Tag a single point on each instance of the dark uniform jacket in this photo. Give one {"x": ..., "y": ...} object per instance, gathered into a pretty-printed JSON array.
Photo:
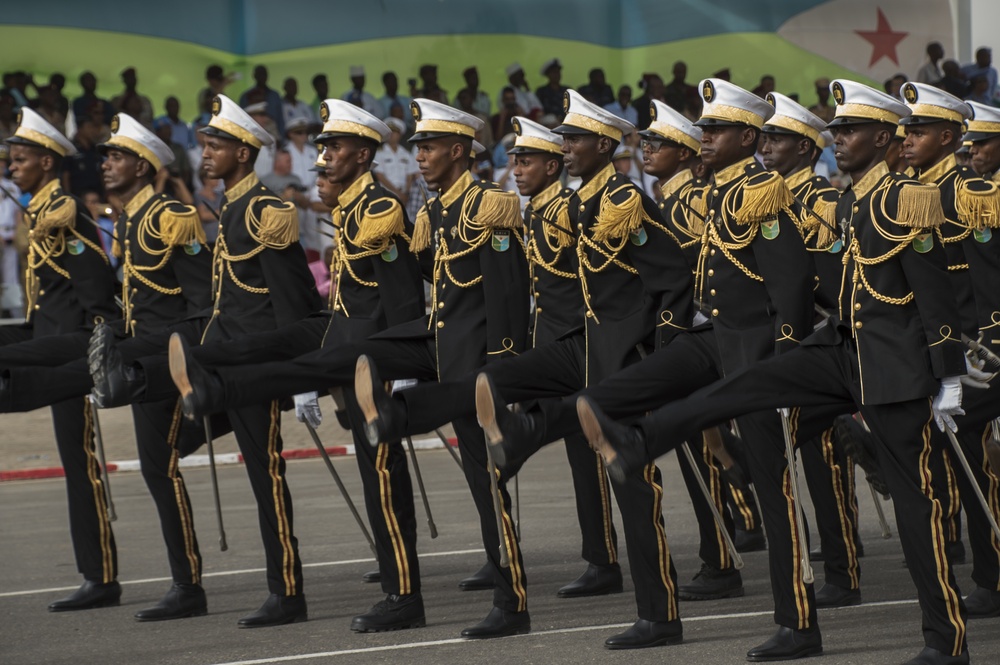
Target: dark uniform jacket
[
  {"x": 479, "y": 307},
  {"x": 553, "y": 265},
  {"x": 897, "y": 304},
  {"x": 817, "y": 218},
  {"x": 980, "y": 212},
  {"x": 261, "y": 278},
  {"x": 683, "y": 208},
  {"x": 377, "y": 281},
  {"x": 637, "y": 285},
  {"x": 166, "y": 267},
  {"x": 70, "y": 284},
  {"x": 756, "y": 278}
]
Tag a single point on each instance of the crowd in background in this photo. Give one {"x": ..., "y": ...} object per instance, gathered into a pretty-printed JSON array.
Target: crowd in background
[{"x": 285, "y": 168}]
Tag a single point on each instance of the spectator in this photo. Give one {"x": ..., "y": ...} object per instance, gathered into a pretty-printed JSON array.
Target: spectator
[
  {"x": 208, "y": 201},
  {"x": 597, "y": 91},
  {"x": 295, "y": 108},
  {"x": 397, "y": 168},
  {"x": 8, "y": 116},
  {"x": 217, "y": 83},
  {"x": 983, "y": 66},
  {"x": 302, "y": 152},
  {"x": 47, "y": 105},
  {"x": 464, "y": 101},
  {"x": 431, "y": 90},
  {"x": 180, "y": 132},
  {"x": 893, "y": 85},
  {"x": 480, "y": 100},
  {"x": 57, "y": 82},
  {"x": 261, "y": 93},
  {"x": 766, "y": 85},
  {"x": 357, "y": 95},
  {"x": 551, "y": 94},
  {"x": 931, "y": 73},
  {"x": 11, "y": 297},
  {"x": 82, "y": 104},
  {"x": 288, "y": 186},
  {"x": 653, "y": 88},
  {"x": 175, "y": 177},
  {"x": 953, "y": 81},
  {"x": 622, "y": 107},
  {"x": 822, "y": 108},
  {"x": 82, "y": 171},
  {"x": 392, "y": 98},
  {"x": 680, "y": 95},
  {"x": 723, "y": 75},
  {"x": 531, "y": 107},
  {"x": 979, "y": 90},
  {"x": 194, "y": 154},
  {"x": 145, "y": 107},
  {"x": 101, "y": 212},
  {"x": 501, "y": 123},
  {"x": 17, "y": 84},
  {"x": 322, "y": 88},
  {"x": 265, "y": 158}
]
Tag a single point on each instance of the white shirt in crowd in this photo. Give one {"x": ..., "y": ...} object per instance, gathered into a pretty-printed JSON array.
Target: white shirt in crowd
[
  {"x": 628, "y": 113},
  {"x": 297, "y": 110},
  {"x": 397, "y": 165}
]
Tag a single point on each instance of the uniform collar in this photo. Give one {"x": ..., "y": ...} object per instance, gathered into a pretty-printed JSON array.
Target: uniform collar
[
  {"x": 934, "y": 173},
  {"x": 799, "y": 178},
  {"x": 355, "y": 189},
  {"x": 596, "y": 183},
  {"x": 871, "y": 179},
  {"x": 676, "y": 182},
  {"x": 139, "y": 200},
  {"x": 43, "y": 195},
  {"x": 456, "y": 190},
  {"x": 242, "y": 187},
  {"x": 546, "y": 196},
  {"x": 732, "y": 171}
]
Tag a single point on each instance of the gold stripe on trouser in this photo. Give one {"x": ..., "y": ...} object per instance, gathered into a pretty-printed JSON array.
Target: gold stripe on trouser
[
  {"x": 715, "y": 491},
  {"x": 510, "y": 543},
  {"x": 954, "y": 501},
  {"x": 846, "y": 533},
  {"x": 278, "y": 495},
  {"x": 992, "y": 495},
  {"x": 798, "y": 586},
  {"x": 649, "y": 473},
  {"x": 97, "y": 487},
  {"x": 852, "y": 501},
  {"x": 938, "y": 543},
  {"x": 740, "y": 499},
  {"x": 180, "y": 496},
  {"x": 602, "y": 482},
  {"x": 391, "y": 523}
]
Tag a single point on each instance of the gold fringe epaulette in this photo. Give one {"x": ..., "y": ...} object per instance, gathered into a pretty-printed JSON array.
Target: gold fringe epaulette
[
  {"x": 978, "y": 204},
  {"x": 382, "y": 219},
  {"x": 279, "y": 223},
  {"x": 116, "y": 249},
  {"x": 621, "y": 213},
  {"x": 180, "y": 225},
  {"x": 499, "y": 210},
  {"x": 826, "y": 234},
  {"x": 59, "y": 214},
  {"x": 698, "y": 204},
  {"x": 421, "y": 231},
  {"x": 919, "y": 206},
  {"x": 560, "y": 215},
  {"x": 764, "y": 196}
]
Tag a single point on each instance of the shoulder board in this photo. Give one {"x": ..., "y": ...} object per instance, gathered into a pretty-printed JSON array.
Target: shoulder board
[
  {"x": 382, "y": 219},
  {"x": 180, "y": 225},
  {"x": 620, "y": 213},
  {"x": 60, "y": 213},
  {"x": 765, "y": 194},
  {"x": 978, "y": 203},
  {"x": 919, "y": 206},
  {"x": 498, "y": 209},
  {"x": 277, "y": 222}
]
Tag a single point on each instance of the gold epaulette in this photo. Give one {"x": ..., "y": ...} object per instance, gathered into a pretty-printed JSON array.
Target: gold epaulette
[
  {"x": 827, "y": 210},
  {"x": 499, "y": 209},
  {"x": 764, "y": 196},
  {"x": 919, "y": 206},
  {"x": 558, "y": 212},
  {"x": 180, "y": 225},
  {"x": 59, "y": 214},
  {"x": 620, "y": 213},
  {"x": 421, "y": 239},
  {"x": 278, "y": 226},
  {"x": 978, "y": 203},
  {"x": 697, "y": 201},
  {"x": 382, "y": 219}
]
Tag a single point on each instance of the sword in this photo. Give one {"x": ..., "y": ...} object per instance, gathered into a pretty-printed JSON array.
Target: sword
[
  {"x": 223, "y": 545},
  {"x": 886, "y": 533},
  {"x": 960, "y": 454},
  {"x": 807, "y": 571},
  {"x": 993, "y": 447},
  {"x": 730, "y": 545},
  {"x": 99, "y": 447},
  {"x": 423, "y": 492}
]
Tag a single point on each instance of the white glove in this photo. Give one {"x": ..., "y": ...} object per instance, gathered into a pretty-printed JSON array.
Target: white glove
[
  {"x": 948, "y": 403},
  {"x": 402, "y": 384},
  {"x": 975, "y": 377},
  {"x": 307, "y": 409}
]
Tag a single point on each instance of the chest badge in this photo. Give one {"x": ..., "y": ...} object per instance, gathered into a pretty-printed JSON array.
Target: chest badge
[
  {"x": 192, "y": 248},
  {"x": 837, "y": 245},
  {"x": 638, "y": 237},
  {"x": 770, "y": 230},
  {"x": 391, "y": 253},
  {"x": 501, "y": 240},
  {"x": 923, "y": 243},
  {"x": 75, "y": 246},
  {"x": 982, "y": 235}
]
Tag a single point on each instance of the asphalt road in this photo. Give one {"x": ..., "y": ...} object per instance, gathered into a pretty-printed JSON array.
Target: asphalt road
[{"x": 38, "y": 568}]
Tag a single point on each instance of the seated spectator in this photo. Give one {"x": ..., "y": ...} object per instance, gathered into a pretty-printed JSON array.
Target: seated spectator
[
  {"x": 893, "y": 85},
  {"x": 531, "y": 107},
  {"x": 217, "y": 83},
  {"x": 175, "y": 178},
  {"x": 464, "y": 102},
  {"x": 397, "y": 168},
  {"x": 597, "y": 91},
  {"x": 681, "y": 95},
  {"x": 144, "y": 106},
  {"x": 822, "y": 108},
  {"x": 294, "y": 108},
  {"x": 358, "y": 96},
  {"x": 622, "y": 107},
  {"x": 501, "y": 122},
  {"x": 82, "y": 171},
  {"x": 8, "y": 116},
  {"x": 430, "y": 89},
  {"x": 265, "y": 158},
  {"x": 180, "y": 132},
  {"x": 983, "y": 66},
  {"x": 392, "y": 98},
  {"x": 322, "y": 88},
  {"x": 551, "y": 94},
  {"x": 953, "y": 81},
  {"x": 653, "y": 88},
  {"x": 288, "y": 186},
  {"x": 766, "y": 85},
  {"x": 979, "y": 90},
  {"x": 931, "y": 72},
  {"x": 480, "y": 100},
  {"x": 47, "y": 105},
  {"x": 270, "y": 97},
  {"x": 83, "y": 103}
]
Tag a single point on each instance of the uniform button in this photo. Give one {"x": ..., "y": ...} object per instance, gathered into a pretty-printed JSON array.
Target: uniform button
[
  {"x": 711, "y": 272},
  {"x": 582, "y": 207},
  {"x": 127, "y": 242},
  {"x": 531, "y": 232},
  {"x": 440, "y": 324},
  {"x": 38, "y": 306},
  {"x": 590, "y": 315},
  {"x": 715, "y": 192},
  {"x": 336, "y": 308},
  {"x": 715, "y": 312},
  {"x": 579, "y": 226},
  {"x": 854, "y": 208},
  {"x": 711, "y": 252},
  {"x": 441, "y": 230},
  {"x": 858, "y": 287},
  {"x": 534, "y": 279},
  {"x": 444, "y": 213},
  {"x": 216, "y": 311},
  {"x": 538, "y": 309},
  {"x": 662, "y": 205},
  {"x": 851, "y": 229},
  {"x": 440, "y": 305},
  {"x": 857, "y": 324},
  {"x": 41, "y": 292},
  {"x": 857, "y": 306},
  {"x": 132, "y": 322},
  {"x": 537, "y": 294},
  {"x": 712, "y": 292}
]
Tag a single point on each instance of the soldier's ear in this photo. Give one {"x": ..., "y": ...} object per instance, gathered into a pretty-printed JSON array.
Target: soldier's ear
[
  {"x": 603, "y": 144},
  {"x": 806, "y": 147},
  {"x": 553, "y": 167},
  {"x": 883, "y": 135},
  {"x": 457, "y": 151},
  {"x": 47, "y": 162},
  {"x": 143, "y": 168},
  {"x": 243, "y": 154}
]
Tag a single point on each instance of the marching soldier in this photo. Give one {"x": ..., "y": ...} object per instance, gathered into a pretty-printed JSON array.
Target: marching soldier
[
  {"x": 893, "y": 346},
  {"x": 70, "y": 287}
]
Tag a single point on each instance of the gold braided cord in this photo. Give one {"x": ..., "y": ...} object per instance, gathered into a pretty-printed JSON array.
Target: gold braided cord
[
  {"x": 225, "y": 260},
  {"x": 535, "y": 258},
  {"x": 343, "y": 258}
]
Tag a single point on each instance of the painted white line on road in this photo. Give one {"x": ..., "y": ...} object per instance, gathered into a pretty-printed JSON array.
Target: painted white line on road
[
  {"x": 540, "y": 633},
  {"x": 245, "y": 571}
]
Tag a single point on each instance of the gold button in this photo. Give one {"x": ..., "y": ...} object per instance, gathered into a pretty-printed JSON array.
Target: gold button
[
  {"x": 857, "y": 324},
  {"x": 538, "y": 309},
  {"x": 579, "y": 226},
  {"x": 38, "y": 306},
  {"x": 851, "y": 229},
  {"x": 858, "y": 287},
  {"x": 127, "y": 242},
  {"x": 582, "y": 207},
  {"x": 441, "y": 230},
  {"x": 440, "y": 305},
  {"x": 855, "y": 208},
  {"x": 440, "y": 324},
  {"x": 531, "y": 232},
  {"x": 711, "y": 252},
  {"x": 711, "y": 272},
  {"x": 537, "y": 294},
  {"x": 715, "y": 192},
  {"x": 715, "y": 312},
  {"x": 857, "y": 306},
  {"x": 590, "y": 314},
  {"x": 216, "y": 311},
  {"x": 132, "y": 322},
  {"x": 336, "y": 308},
  {"x": 41, "y": 292},
  {"x": 444, "y": 213},
  {"x": 534, "y": 279},
  {"x": 712, "y": 292}
]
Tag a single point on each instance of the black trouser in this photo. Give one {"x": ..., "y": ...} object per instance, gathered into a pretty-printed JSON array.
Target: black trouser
[
  {"x": 90, "y": 529},
  {"x": 396, "y": 359},
  {"x": 593, "y": 505},
  {"x": 912, "y": 464}
]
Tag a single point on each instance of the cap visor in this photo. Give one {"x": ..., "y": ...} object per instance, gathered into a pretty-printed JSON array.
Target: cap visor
[
  {"x": 847, "y": 120},
  {"x": 718, "y": 122},
  {"x": 922, "y": 120},
  {"x": 215, "y": 131},
  {"x": 771, "y": 129},
  {"x": 571, "y": 129},
  {"x": 427, "y": 136},
  {"x": 972, "y": 137}
]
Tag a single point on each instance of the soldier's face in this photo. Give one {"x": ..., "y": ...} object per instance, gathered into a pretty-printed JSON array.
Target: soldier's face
[
  {"x": 435, "y": 158},
  {"x": 328, "y": 191},
  {"x": 533, "y": 172},
  {"x": 582, "y": 154},
  {"x": 855, "y": 145},
  {"x": 119, "y": 170},
  {"x": 780, "y": 152},
  {"x": 985, "y": 156},
  {"x": 344, "y": 159},
  {"x": 661, "y": 158},
  {"x": 722, "y": 145},
  {"x": 219, "y": 157},
  {"x": 26, "y": 167},
  {"x": 926, "y": 145}
]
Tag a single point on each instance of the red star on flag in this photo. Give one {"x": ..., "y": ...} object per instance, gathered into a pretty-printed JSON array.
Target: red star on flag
[{"x": 883, "y": 40}]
